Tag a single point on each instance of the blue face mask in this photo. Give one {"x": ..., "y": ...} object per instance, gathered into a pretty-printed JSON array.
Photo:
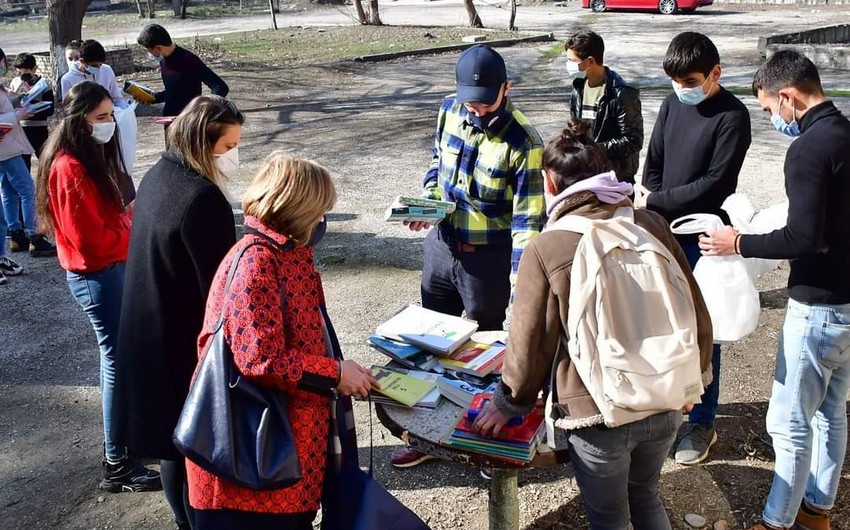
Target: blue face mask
[
  {"x": 156, "y": 58},
  {"x": 690, "y": 96},
  {"x": 93, "y": 70},
  {"x": 788, "y": 129}
]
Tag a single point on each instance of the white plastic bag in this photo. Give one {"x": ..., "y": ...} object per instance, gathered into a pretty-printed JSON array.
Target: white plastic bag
[
  {"x": 128, "y": 130},
  {"x": 725, "y": 283},
  {"x": 747, "y": 221}
]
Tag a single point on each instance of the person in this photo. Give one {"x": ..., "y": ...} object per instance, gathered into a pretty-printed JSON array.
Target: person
[
  {"x": 72, "y": 53},
  {"x": 600, "y": 96},
  {"x": 16, "y": 184},
  {"x": 274, "y": 323},
  {"x": 486, "y": 159},
  {"x": 90, "y": 65},
  {"x": 182, "y": 71},
  {"x": 807, "y": 415},
  {"x": 182, "y": 227},
  {"x": 617, "y": 469},
  {"x": 83, "y": 198},
  {"x": 695, "y": 154},
  {"x": 35, "y": 128}
]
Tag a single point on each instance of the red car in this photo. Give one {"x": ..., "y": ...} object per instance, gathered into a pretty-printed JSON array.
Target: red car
[{"x": 667, "y": 7}]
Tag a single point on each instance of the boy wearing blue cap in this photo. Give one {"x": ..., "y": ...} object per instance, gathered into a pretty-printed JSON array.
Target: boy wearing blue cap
[{"x": 487, "y": 159}]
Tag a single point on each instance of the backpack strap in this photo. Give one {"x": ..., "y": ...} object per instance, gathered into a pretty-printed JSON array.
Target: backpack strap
[{"x": 582, "y": 225}]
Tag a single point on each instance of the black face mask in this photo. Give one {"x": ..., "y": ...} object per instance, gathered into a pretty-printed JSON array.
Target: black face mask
[
  {"x": 28, "y": 79},
  {"x": 484, "y": 122},
  {"x": 319, "y": 232}
]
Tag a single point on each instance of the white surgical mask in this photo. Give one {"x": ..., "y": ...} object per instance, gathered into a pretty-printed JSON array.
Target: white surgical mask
[
  {"x": 574, "y": 71},
  {"x": 691, "y": 96},
  {"x": 157, "y": 58},
  {"x": 102, "y": 132},
  {"x": 228, "y": 163},
  {"x": 93, "y": 70},
  {"x": 71, "y": 64}
]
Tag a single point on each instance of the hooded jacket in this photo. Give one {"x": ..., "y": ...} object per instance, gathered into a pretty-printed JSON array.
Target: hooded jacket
[
  {"x": 541, "y": 308},
  {"x": 618, "y": 128},
  {"x": 15, "y": 142}
]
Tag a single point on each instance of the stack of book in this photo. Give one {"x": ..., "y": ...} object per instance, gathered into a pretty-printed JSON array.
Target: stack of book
[
  {"x": 461, "y": 391},
  {"x": 418, "y": 209},
  {"x": 429, "y": 401},
  {"x": 516, "y": 444},
  {"x": 404, "y": 388}
]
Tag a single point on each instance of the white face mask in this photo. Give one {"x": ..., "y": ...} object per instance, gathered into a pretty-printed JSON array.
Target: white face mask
[
  {"x": 102, "y": 132},
  {"x": 228, "y": 163},
  {"x": 573, "y": 70}
]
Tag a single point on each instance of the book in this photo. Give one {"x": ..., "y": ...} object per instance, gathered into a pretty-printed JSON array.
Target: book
[
  {"x": 140, "y": 92},
  {"x": 475, "y": 358},
  {"x": 406, "y": 354},
  {"x": 404, "y": 200},
  {"x": 403, "y": 388},
  {"x": 35, "y": 108},
  {"x": 436, "y": 332},
  {"x": 398, "y": 214},
  {"x": 462, "y": 392},
  {"x": 432, "y": 399},
  {"x": 34, "y": 92},
  {"x": 5, "y": 128}
]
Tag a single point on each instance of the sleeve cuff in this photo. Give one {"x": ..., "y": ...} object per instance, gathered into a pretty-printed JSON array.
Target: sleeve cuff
[{"x": 503, "y": 401}]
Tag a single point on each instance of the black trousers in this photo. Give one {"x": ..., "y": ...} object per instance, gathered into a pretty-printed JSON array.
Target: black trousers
[
  {"x": 176, "y": 489},
  {"x": 37, "y": 135},
  {"x": 238, "y": 520}
]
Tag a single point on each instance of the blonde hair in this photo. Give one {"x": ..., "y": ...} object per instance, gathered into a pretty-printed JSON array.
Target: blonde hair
[
  {"x": 196, "y": 130},
  {"x": 290, "y": 195}
]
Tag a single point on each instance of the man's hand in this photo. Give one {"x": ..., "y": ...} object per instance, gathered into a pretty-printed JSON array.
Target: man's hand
[
  {"x": 490, "y": 421},
  {"x": 23, "y": 113},
  {"x": 719, "y": 242},
  {"x": 416, "y": 226},
  {"x": 640, "y": 200}
]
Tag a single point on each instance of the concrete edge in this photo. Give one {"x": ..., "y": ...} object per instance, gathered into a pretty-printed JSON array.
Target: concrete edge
[{"x": 543, "y": 37}]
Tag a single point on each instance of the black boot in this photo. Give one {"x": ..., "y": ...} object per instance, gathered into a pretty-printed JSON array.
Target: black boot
[
  {"x": 20, "y": 241},
  {"x": 125, "y": 475}
]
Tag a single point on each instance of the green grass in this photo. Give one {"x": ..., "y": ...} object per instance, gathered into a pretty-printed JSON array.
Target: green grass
[
  {"x": 317, "y": 45},
  {"x": 556, "y": 50}
]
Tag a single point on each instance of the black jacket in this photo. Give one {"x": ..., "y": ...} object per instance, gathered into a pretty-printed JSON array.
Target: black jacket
[
  {"x": 182, "y": 228},
  {"x": 618, "y": 128},
  {"x": 817, "y": 182}
]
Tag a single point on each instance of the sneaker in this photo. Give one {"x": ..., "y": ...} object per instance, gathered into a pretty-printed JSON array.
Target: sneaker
[
  {"x": 695, "y": 443},
  {"x": 487, "y": 473},
  {"x": 40, "y": 247},
  {"x": 809, "y": 520},
  {"x": 3, "y": 279},
  {"x": 407, "y": 457},
  {"x": 20, "y": 241},
  {"x": 9, "y": 267},
  {"x": 127, "y": 476}
]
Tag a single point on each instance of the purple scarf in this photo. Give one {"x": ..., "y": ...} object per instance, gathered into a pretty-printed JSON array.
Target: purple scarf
[{"x": 605, "y": 185}]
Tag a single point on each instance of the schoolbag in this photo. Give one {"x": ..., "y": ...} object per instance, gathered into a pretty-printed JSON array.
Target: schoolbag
[{"x": 631, "y": 328}]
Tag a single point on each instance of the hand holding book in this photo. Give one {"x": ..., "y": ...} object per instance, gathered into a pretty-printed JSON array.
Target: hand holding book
[
  {"x": 490, "y": 421},
  {"x": 354, "y": 380}
]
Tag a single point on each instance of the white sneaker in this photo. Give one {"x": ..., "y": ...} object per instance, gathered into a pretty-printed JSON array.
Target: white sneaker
[
  {"x": 9, "y": 267},
  {"x": 3, "y": 279}
]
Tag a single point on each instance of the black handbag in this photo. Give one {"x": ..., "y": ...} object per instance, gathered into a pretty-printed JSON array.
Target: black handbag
[{"x": 233, "y": 428}]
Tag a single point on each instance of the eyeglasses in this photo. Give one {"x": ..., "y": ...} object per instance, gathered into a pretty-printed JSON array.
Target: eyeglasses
[{"x": 229, "y": 106}]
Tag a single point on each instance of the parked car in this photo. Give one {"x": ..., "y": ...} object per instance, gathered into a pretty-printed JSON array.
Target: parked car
[{"x": 666, "y": 7}]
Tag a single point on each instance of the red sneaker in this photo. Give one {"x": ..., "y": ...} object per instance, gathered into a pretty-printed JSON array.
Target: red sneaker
[{"x": 407, "y": 457}]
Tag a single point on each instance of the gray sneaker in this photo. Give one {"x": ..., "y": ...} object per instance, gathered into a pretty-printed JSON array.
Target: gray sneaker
[{"x": 694, "y": 445}]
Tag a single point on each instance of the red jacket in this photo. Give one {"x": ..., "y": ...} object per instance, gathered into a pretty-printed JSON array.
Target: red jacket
[
  {"x": 284, "y": 349},
  {"x": 91, "y": 233}
]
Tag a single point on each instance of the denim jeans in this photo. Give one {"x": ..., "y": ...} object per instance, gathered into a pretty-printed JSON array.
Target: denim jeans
[
  {"x": 18, "y": 189},
  {"x": 618, "y": 469},
  {"x": 477, "y": 282},
  {"x": 99, "y": 294},
  {"x": 704, "y": 413},
  {"x": 807, "y": 416},
  {"x": 3, "y": 227}
]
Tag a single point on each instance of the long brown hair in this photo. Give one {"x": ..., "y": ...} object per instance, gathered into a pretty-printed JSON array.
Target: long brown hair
[
  {"x": 197, "y": 129},
  {"x": 102, "y": 162}
]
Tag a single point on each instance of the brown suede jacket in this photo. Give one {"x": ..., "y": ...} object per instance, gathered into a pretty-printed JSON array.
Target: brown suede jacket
[{"x": 539, "y": 317}]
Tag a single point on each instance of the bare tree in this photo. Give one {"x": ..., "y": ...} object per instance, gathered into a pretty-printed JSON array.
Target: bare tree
[
  {"x": 374, "y": 17},
  {"x": 273, "y": 14},
  {"x": 361, "y": 13},
  {"x": 472, "y": 13},
  {"x": 179, "y": 8},
  {"x": 64, "y": 24},
  {"x": 371, "y": 17},
  {"x": 511, "y": 22}
]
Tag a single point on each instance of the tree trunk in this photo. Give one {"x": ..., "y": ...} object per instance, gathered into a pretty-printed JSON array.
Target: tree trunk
[
  {"x": 511, "y": 22},
  {"x": 151, "y": 7},
  {"x": 472, "y": 13},
  {"x": 274, "y": 16},
  {"x": 361, "y": 13},
  {"x": 139, "y": 7},
  {"x": 64, "y": 24},
  {"x": 374, "y": 16},
  {"x": 183, "y": 9}
]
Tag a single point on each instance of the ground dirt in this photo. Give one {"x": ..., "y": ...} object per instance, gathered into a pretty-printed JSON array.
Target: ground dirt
[{"x": 372, "y": 125}]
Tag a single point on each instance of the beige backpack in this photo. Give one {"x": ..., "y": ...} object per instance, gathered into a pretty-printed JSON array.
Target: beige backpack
[{"x": 632, "y": 329}]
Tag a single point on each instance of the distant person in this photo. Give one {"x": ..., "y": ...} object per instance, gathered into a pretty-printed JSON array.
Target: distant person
[
  {"x": 487, "y": 159},
  {"x": 182, "y": 227},
  {"x": 695, "y": 154},
  {"x": 91, "y": 66},
  {"x": 617, "y": 469},
  {"x": 16, "y": 184},
  {"x": 274, "y": 320},
  {"x": 183, "y": 72},
  {"x": 84, "y": 198},
  {"x": 807, "y": 416},
  {"x": 35, "y": 127},
  {"x": 602, "y": 98}
]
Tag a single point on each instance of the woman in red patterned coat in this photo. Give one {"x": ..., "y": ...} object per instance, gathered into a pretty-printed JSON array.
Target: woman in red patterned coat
[{"x": 274, "y": 325}]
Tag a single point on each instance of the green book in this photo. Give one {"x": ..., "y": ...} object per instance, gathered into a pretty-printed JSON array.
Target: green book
[{"x": 403, "y": 388}]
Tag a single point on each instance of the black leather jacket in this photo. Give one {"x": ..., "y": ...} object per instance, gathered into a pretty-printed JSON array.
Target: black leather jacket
[{"x": 619, "y": 123}]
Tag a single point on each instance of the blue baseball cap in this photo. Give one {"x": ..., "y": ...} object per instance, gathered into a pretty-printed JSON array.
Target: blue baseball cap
[{"x": 480, "y": 73}]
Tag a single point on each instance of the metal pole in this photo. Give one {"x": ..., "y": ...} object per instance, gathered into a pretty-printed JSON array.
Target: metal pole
[{"x": 504, "y": 503}]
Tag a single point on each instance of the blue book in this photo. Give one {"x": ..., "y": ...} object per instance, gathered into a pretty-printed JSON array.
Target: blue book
[{"x": 406, "y": 354}]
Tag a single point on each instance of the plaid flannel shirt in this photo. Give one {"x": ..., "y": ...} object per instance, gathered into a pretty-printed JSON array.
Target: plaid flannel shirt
[{"x": 495, "y": 178}]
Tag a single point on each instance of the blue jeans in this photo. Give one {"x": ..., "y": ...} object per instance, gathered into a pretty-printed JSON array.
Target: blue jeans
[
  {"x": 618, "y": 469},
  {"x": 807, "y": 416},
  {"x": 99, "y": 294},
  {"x": 477, "y": 282},
  {"x": 18, "y": 189},
  {"x": 703, "y": 413},
  {"x": 3, "y": 228}
]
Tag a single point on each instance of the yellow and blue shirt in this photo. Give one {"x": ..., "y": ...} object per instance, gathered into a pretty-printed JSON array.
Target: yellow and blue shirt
[{"x": 494, "y": 177}]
